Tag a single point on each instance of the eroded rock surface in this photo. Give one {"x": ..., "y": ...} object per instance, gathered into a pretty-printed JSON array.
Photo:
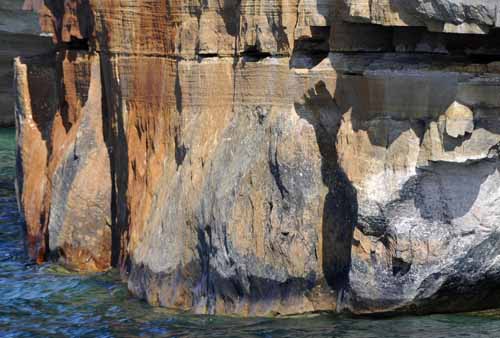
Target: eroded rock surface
[
  {"x": 256, "y": 158},
  {"x": 64, "y": 179},
  {"x": 449, "y": 16}
]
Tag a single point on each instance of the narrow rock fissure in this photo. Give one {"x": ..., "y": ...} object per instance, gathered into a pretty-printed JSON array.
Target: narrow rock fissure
[{"x": 275, "y": 171}]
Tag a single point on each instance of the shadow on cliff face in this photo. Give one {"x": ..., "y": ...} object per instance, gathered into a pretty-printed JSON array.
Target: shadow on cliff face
[
  {"x": 445, "y": 191},
  {"x": 385, "y": 103},
  {"x": 42, "y": 81},
  {"x": 116, "y": 141},
  {"x": 340, "y": 212},
  {"x": 69, "y": 115},
  {"x": 385, "y": 106},
  {"x": 44, "y": 101},
  {"x": 84, "y": 19},
  {"x": 340, "y": 207},
  {"x": 231, "y": 13},
  {"x": 477, "y": 283},
  {"x": 70, "y": 50}
]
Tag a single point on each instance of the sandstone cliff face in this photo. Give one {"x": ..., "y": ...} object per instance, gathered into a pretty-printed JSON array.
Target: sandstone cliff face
[
  {"x": 247, "y": 157},
  {"x": 64, "y": 180}
]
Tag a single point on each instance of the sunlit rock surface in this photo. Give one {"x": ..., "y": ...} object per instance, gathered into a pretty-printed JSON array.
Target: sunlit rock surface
[
  {"x": 260, "y": 158},
  {"x": 449, "y": 16},
  {"x": 64, "y": 180}
]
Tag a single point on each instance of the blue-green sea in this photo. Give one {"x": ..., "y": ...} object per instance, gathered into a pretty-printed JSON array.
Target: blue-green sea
[{"x": 48, "y": 301}]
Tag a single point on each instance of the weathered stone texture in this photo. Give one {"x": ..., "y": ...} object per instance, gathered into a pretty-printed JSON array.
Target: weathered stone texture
[
  {"x": 449, "y": 16},
  {"x": 256, "y": 170},
  {"x": 64, "y": 179},
  {"x": 425, "y": 170}
]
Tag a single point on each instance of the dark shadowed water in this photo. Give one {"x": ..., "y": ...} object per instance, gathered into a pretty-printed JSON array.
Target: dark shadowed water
[{"x": 48, "y": 301}]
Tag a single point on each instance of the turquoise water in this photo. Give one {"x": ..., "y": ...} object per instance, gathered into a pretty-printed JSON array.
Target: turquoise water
[{"x": 47, "y": 301}]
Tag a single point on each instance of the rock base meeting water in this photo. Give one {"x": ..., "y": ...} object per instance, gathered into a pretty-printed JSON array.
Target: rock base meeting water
[{"x": 268, "y": 158}]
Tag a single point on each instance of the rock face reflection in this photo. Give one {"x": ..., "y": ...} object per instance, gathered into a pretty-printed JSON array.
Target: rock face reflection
[{"x": 253, "y": 158}]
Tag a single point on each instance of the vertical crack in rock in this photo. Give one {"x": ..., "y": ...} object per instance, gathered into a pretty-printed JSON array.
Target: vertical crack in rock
[
  {"x": 117, "y": 146},
  {"x": 275, "y": 171},
  {"x": 114, "y": 134},
  {"x": 205, "y": 252}
]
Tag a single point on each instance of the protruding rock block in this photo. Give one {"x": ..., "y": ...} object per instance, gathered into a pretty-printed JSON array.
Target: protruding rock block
[
  {"x": 64, "y": 178},
  {"x": 425, "y": 172},
  {"x": 459, "y": 120}
]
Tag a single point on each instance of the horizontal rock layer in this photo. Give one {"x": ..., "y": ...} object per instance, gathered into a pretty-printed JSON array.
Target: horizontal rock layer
[{"x": 253, "y": 158}]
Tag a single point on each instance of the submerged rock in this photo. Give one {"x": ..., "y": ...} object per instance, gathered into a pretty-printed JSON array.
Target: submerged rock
[{"x": 229, "y": 159}]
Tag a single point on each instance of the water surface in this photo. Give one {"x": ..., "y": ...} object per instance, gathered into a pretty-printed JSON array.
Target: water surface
[{"x": 47, "y": 301}]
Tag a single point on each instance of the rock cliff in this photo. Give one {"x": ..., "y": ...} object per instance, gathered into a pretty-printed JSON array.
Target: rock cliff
[
  {"x": 20, "y": 34},
  {"x": 268, "y": 157}
]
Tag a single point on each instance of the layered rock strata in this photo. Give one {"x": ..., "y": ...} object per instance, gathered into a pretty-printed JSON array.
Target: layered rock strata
[{"x": 259, "y": 158}]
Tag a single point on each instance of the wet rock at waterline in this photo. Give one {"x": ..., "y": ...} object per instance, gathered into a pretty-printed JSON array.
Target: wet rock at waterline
[{"x": 258, "y": 159}]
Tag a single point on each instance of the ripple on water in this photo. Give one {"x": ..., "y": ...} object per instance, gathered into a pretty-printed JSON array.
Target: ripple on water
[{"x": 49, "y": 301}]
